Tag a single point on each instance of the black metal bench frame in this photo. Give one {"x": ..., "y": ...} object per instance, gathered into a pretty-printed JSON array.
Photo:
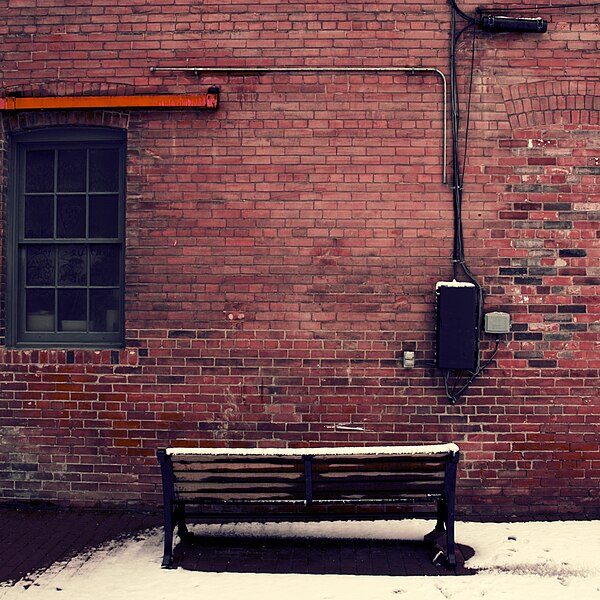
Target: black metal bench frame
[{"x": 315, "y": 484}]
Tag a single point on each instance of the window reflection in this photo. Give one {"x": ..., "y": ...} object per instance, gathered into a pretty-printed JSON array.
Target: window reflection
[
  {"x": 104, "y": 310},
  {"x": 104, "y": 170},
  {"x": 72, "y": 310},
  {"x": 39, "y": 310},
  {"x": 72, "y": 171},
  {"x": 70, "y": 216},
  {"x": 72, "y": 265},
  {"x": 39, "y": 171},
  {"x": 39, "y": 217},
  {"x": 104, "y": 216},
  {"x": 40, "y": 265},
  {"x": 104, "y": 264}
]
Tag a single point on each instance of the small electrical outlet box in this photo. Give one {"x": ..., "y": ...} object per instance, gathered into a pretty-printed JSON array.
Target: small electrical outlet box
[
  {"x": 409, "y": 359},
  {"x": 457, "y": 330},
  {"x": 497, "y": 322}
]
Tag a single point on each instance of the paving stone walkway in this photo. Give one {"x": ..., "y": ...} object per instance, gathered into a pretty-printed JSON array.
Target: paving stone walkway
[
  {"x": 33, "y": 539},
  {"x": 313, "y": 556}
]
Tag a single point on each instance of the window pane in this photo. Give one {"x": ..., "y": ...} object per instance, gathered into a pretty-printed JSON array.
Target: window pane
[
  {"x": 72, "y": 265},
  {"x": 104, "y": 170},
  {"x": 39, "y": 217},
  {"x": 104, "y": 216},
  {"x": 39, "y": 171},
  {"x": 40, "y": 261},
  {"x": 70, "y": 217},
  {"x": 104, "y": 310},
  {"x": 104, "y": 264},
  {"x": 72, "y": 310},
  {"x": 39, "y": 308},
  {"x": 72, "y": 171}
]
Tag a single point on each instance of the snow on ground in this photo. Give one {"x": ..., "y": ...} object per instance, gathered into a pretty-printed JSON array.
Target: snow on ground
[{"x": 534, "y": 561}]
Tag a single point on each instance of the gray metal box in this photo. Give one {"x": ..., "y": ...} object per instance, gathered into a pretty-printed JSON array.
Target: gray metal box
[{"x": 497, "y": 322}]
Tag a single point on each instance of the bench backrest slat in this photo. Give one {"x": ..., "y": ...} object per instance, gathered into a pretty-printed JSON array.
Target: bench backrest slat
[{"x": 221, "y": 478}]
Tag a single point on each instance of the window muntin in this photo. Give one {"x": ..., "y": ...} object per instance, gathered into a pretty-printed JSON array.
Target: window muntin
[{"x": 68, "y": 238}]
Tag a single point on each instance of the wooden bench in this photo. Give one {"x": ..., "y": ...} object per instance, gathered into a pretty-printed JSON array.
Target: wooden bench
[{"x": 307, "y": 484}]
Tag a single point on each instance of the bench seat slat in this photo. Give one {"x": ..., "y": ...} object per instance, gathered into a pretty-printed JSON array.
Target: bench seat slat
[
  {"x": 320, "y": 476},
  {"x": 375, "y": 475},
  {"x": 238, "y": 487},
  {"x": 381, "y": 488},
  {"x": 198, "y": 461},
  {"x": 329, "y": 483},
  {"x": 319, "y": 485},
  {"x": 203, "y": 476},
  {"x": 248, "y": 498},
  {"x": 405, "y": 461},
  {"x": 423, "y": 468},
  {"x": 237, "y": 496},
  {"x": 229, "y": 468},
  {"x": 234, "y": 461},
  {"x": 275, "y": 494}
]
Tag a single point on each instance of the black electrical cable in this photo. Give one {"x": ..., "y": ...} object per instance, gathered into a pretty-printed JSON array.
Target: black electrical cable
[
  {"x": 458, "y": 257},
  {"x": 498, "y": 9},
  {"x": 460, "y": 13},
  {"x": 456, "y": 182},
  {"x": 470, "y": 95},
  {"x": 455, "y": 394}
]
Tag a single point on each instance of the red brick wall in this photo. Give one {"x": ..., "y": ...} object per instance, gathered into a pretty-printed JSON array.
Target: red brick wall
[{"x": 282, "y": 252}]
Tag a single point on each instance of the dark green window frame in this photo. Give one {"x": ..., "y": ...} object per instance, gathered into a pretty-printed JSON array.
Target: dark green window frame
[{"x": 66, "y": 238}]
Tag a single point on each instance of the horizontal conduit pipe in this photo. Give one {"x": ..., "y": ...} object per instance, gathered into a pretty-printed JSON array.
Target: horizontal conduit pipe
[{"x": 341, "y": 70}]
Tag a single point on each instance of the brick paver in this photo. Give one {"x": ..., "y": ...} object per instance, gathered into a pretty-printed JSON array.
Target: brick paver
[
  {"x": 312, "y": 556},
  {"x": 33, "y": 539}
]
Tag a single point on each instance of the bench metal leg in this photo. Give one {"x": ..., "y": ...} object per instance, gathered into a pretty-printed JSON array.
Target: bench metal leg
[
  {"x": 444, "y": 524},
  {"x": 182, "y": 530},
  {"x": 450, "y": 544},
  {"x": 450, "y": 489},
  {"x": 450, "y": 549},
  {"x": 169, "y": 506},
  {"x": 175, "y": 517},
  {"x": 442, "y": 516},
  {"x": 167, "y": 561}
]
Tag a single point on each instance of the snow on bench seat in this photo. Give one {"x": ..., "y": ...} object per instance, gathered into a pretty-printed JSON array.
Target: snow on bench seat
[{"x": 324, "y": 451}]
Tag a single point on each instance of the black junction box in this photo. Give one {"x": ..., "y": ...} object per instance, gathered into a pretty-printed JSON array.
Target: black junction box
[{"x": 457, "y": 326}]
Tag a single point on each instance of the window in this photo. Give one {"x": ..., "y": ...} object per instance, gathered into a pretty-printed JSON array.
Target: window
[{"x": 66, "y": 238}]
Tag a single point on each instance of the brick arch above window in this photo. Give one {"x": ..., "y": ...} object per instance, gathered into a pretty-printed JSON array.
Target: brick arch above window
[
  {"x": 24, "y": 121},
  {"x": 555, "y": 103},
  {"x": 13, "y": 122}
]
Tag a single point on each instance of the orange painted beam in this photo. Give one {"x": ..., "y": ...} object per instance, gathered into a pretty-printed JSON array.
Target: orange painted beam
[{"x": 170, "y": 101}]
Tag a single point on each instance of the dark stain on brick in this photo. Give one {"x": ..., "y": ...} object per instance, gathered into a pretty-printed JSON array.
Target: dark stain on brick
[
  {"x": 182, "y": 333},
  {"x": 513, "y": 270},
  {"x": 572, "y": 252},
  {"x": 586, "y": 170},
  {"x": 543, "y": 364},
  {"x": 558, "y": 225},
  {"x": 528, "y": 280},
  {"x": 572, "y": 308}
]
